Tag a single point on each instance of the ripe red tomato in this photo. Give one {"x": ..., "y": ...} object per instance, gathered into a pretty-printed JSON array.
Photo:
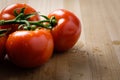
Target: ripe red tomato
[
  {"x": 8, "y": 14},
  {"x": 67, "y": 31},
  {"x": 2, "y": 46},
  {"x": 30, "y": 48}
]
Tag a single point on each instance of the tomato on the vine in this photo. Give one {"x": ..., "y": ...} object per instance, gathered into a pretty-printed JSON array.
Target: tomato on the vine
[
  {"x": 30, "y": 48},
  {"x": 67, "y": 31},
  {"x": 8, "y": 13},
  {"x": 32, "y": 45}
]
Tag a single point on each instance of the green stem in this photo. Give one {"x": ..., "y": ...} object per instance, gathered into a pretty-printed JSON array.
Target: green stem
[
  {"x": 3, "y": 31},
  {"x": 19, "y": 16},
  {"x": 3, "y": 22},
  {"x": 38, "y": 23},
  {"x": 28, "y": 23},
  {"x": 22, "y": 19},
  {"x": 47, "y": 23},
  {"x": 22, "y": 22}
]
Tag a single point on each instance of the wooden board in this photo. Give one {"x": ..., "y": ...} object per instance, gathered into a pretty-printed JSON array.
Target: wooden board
[{"x": 96, "y": 56}]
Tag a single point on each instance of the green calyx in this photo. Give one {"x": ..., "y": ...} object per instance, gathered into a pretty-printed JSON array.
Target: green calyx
[{"x": 22, "y": 19}]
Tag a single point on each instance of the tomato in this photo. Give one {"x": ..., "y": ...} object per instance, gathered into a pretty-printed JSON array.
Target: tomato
[
  {"x": 67, "y": 31},
  {"x": 30, "y": 48},
  {"x": 2, "y": 46},
  {"x": 8, "y": 14}
]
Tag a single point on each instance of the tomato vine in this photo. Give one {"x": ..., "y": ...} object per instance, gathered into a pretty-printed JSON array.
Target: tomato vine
[{"x": 21, "y": 19}]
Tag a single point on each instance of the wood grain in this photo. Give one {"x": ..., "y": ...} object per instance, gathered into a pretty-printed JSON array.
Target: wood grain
[{"x": 96, "y": 56}]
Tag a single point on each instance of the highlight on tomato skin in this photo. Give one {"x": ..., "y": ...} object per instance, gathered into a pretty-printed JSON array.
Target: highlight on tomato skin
[
  {"x": 67, "y": 31},
  {"x": 29, "y": 49}
]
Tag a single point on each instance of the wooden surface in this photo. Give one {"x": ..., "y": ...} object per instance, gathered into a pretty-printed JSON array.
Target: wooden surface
[{"x": 96, "y": 56}]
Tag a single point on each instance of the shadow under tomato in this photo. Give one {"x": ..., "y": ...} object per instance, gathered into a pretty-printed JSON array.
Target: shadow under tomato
[{"x": 8, "y": 70}]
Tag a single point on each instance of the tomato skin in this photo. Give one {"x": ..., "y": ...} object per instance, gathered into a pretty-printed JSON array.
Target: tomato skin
[
  {"x": 8, "y": 14},
  {"x": 2, "y": 46},
  {"x": 67, "y": 31},
  {"x": 30, "y": 48}
]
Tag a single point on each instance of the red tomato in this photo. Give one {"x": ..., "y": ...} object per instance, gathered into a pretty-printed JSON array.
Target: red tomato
[
  {"x": 2, "y": 46},
  {"x": 30, "y": 48},
  {"x": 8, "y": 13},
  {"x": 67, "y": 31}
]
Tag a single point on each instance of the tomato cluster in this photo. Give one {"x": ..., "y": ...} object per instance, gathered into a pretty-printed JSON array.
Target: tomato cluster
[{"x": 29, "y": 41}]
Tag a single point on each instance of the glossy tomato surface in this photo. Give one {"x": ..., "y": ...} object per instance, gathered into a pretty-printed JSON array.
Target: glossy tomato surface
[
  {"x": 8, "y": 14},
  {"x": 2, "y": 46},
  {"x": 67, "y": 31},
  {"x": 30, "y": 48}
]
